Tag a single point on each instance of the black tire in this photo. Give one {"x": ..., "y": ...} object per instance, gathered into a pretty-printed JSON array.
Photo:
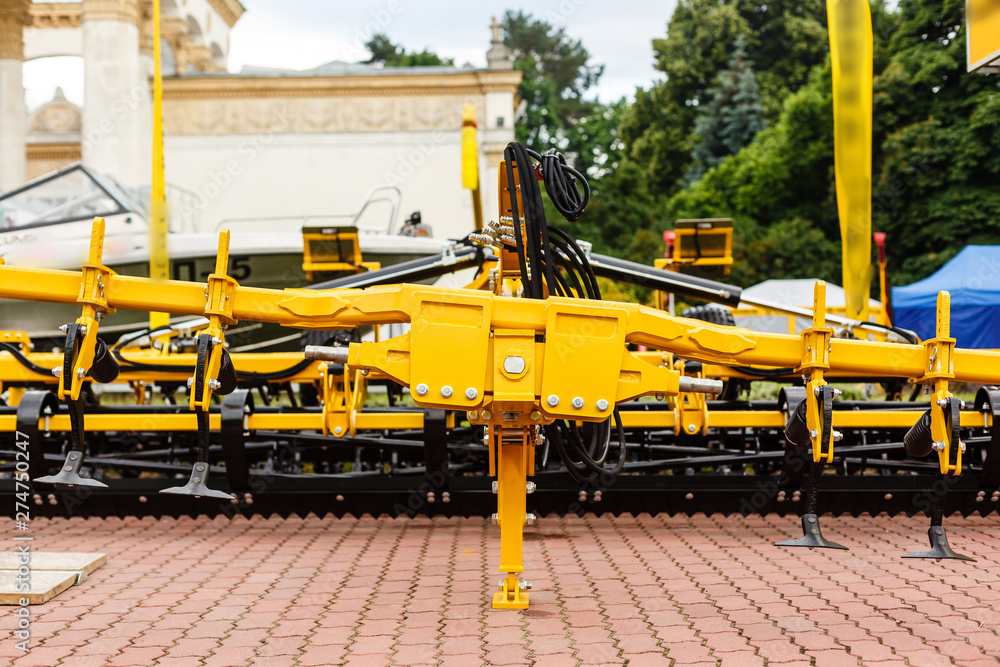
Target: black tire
[{"x": 710, "y": 313}]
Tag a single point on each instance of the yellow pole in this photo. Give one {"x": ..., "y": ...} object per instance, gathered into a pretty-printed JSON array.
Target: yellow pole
[
  {"x": 850, "y": 24},
  {"x": 470, "y": 161},
  {"x": 159, "y": 259}
]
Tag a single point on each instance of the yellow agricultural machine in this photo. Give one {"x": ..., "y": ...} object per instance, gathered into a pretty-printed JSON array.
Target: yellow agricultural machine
[{"x": 522, "y": 395}]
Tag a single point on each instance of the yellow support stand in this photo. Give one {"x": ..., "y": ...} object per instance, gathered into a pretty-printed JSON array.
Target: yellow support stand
[{"x": 512, "y": 447}]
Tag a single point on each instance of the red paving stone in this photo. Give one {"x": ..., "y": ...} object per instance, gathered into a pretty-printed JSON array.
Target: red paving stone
[{"x": 607, "y": 591}]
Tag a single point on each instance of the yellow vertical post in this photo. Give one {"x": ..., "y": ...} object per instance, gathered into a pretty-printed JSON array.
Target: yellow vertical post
[
  {"x": 512, "y": 471},
  {"x": 470, "y": 161},
  {"x": 159, "y": 259},
  {"x": 851, "y": 56}
]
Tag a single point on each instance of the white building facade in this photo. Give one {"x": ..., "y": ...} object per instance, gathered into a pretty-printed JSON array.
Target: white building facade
[{"x": 262, "y": 144}]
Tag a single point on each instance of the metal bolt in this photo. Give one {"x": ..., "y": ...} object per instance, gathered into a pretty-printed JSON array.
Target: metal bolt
[
  {"x": 837, "y": 392},
  {"x": 529, "y": 519},
  {"x": 597, "y": 496},
  {"x": 340, "y": 498},
  {"x": 57, "y": 372},
  {"x": 73, "y": 456},
  {"x": 943, "y": 403},
  {"x": 837, "y": 436},
  {"x": 422, "y": 389},
  {"x": 64, "y": 328},
  {"x": 196, "y": 479},
  {"x": 447, "y": 391},
  {"x": 812, "y": 519},
  {"x": 190, "y": 382},
  {"x": 430, "y": 496},
  {"x": 487, "y": 415},
  {"x": 474, "y": 414},
  {"x": 216, "y": 341},
  {"x": 689, "y": 496},
  {"x": 602, "y": 404},
  {"x": 142, "y": 499},
  {"x": 80, "y": 373},
  {"x": 338, "y": 430},
  {"x": 577, "y": 402},
  {"x": 471, "y": 393},
  {"x": 980, "y": 496},
  {"x": 813, "y": 433},
  {"x": 962, "y": 446},
  {"x": 888, "y": 496},
  {"x": 552, "y": 400},
  {"x": 529, "y": 487},
  {"x": 692, "y": 428},
  {"x": 514, "y": 365},
  {"x": 199, "y": 467},
  {"x": 939, "y": 445},
  {"x": 495, "y": 486},
  {"x": 214, "y": 384},
  {"x": 535, "y": 415},
  {"x": 659, "y": 397},
  {"x": 495, "y": 519},
  {"x": 445, "y": 497}
]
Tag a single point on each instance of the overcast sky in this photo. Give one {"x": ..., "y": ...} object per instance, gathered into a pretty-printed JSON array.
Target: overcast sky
[{"x": 306, "y": 33}]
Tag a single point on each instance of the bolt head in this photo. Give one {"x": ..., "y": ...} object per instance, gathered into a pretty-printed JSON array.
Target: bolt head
[
  {"x": 447, "y": 391},
  {"x": 535, "y": 415},
  {"x": 495, "y": 486},
  {"x": 943, "y": 403},
  {"x": 80, "y": 372},
  {"x": 214, "y": 384},
  {"x": 422, "y": 389},
  {"x": 471, "y": 393},
  {"x": 57, "y": 372},
  {"x": 494, "y": 518},
  {"x": 552, "y": 400},
  {"x": 514, "y": 365},
  {"x": 939, "y": 445},
  {"x": 602, "y": 404},
  {"x": 338, "y": 430},
  {"x": 473, "y": 414},
  {"x": 487, "y": 415},
  {"x": 692, "y": 428},
  {"x": 529, "y": 487},
  {"x": 577, "y": 402},
  {"x": 529, "y": 519}
]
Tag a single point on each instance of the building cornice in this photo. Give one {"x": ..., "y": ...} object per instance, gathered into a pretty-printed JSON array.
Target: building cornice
[
  {"x": 56, "y": 14},
  {"x": 459, "y": 83},
  {"x": 14, "y": 16},
  {"x": 126, "y": 11},
  {"x": 229, "y": 11}
]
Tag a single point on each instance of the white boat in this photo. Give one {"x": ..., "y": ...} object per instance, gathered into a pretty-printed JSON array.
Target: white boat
[{"x": 46, "y": 223}]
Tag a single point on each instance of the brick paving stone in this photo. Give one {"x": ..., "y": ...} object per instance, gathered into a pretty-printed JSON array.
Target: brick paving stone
[{"x": 705, "y": 590}]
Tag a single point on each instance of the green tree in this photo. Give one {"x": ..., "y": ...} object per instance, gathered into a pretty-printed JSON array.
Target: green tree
[
  {"x": 785, "y": 39},
  {"x": 557, "y": 77},
  {"x": 731, "y": 118},
  {"x": 385, "y": 53}
]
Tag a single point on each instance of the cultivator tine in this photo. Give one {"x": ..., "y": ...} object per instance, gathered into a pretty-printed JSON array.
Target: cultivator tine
[
  {"x": 921, "y": 437},
  {"x": 197, "y": 485},
  {"x": 988, "y": 400},
  {"x": 69, "y": 473},
  {"x": 798, "y": 435}
]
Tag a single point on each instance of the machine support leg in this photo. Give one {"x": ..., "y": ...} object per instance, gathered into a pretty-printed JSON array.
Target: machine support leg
[{"x": 512, "y": 468}]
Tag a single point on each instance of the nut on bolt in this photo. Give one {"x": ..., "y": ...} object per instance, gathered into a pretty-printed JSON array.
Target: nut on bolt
[
  {"x": 529, "y": 519},
  {"x": 494, "y": 518},
  {"x": 529, "y": 487}
]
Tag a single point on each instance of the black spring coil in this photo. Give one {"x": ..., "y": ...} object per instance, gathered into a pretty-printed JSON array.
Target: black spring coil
[
  {"x": 105, "y": 367},
  {"x": 227, "y": 375},
  {"x": 796, "y": 430},
  {"x": 918, "y": 440}
]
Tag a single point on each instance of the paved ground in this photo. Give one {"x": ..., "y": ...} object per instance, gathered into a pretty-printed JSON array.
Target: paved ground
[{"x": 636, "y": 591}]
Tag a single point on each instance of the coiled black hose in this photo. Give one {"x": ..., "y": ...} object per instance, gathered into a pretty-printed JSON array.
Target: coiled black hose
[
  {"x": 796, "y": 428},
  {"x": 918, "y": 441}
]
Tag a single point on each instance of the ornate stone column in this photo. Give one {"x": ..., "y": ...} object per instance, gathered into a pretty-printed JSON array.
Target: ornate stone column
[
  {"x": 13, "y": 121},
  {"x": 116, "y": 92}
]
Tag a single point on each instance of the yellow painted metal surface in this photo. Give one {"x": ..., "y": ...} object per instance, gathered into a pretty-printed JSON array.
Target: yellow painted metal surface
[
  {"x": 851, "y": 55},
  {"x": 159, "y": 257},
  {"x": 983, "y": 42}
]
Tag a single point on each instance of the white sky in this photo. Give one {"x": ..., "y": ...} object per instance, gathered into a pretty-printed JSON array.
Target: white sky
[{"x": 306, "y": 33}]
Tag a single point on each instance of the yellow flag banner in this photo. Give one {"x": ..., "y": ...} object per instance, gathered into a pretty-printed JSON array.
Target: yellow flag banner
[
  {"x": 851, "y": 54},
  {"x": 470, "y": 155}
]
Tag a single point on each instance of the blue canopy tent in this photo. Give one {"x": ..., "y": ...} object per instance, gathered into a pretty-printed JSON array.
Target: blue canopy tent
[{"x": 973, "y": 280}]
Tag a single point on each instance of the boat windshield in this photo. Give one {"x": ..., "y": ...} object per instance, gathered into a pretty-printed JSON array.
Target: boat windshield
[{"x": 67, "y": 195}]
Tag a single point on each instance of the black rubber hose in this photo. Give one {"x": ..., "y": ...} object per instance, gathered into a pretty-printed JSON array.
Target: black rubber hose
[{"x": 15, "y": 352}]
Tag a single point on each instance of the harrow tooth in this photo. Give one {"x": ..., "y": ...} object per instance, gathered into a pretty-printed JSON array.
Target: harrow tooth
[
  {"x": 940, "y": 548},
  {"x": 69, "y": 473},
  {"x": 197, "y": 486},
  {"x": 812, "y": 536}
]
